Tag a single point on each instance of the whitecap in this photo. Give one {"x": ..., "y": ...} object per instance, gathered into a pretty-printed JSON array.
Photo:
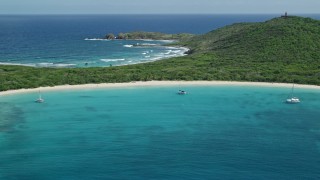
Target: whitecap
[
  {"x": 144, "y": 39},
  {"x": 111, "y": 60},
  {"x": 96, "y": 39},
  {"x": 64, "y": 65},
  {"x": 175, "y": 48},
  {"x": 149, "y": 44},
  {"x": 17, "y": 64},
  {"x": 168, "y": 52},
  {"x": 176, "y": 51},
  {"x": 45, "y": 64}
]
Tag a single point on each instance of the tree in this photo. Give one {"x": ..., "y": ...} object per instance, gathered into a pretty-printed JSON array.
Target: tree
[
  {"x": 110, "y": 36},
  {"x": 121, "y": 36}
]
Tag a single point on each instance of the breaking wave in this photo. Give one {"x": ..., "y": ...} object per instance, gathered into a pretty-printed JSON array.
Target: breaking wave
[
  {"x": 44, "y": 64},
  {"x": 112, "y": 60},
  {"x": 95, "y": 39}
]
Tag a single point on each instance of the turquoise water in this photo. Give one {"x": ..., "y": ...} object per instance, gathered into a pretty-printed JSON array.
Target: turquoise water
[{"x": 153, "y": 133}]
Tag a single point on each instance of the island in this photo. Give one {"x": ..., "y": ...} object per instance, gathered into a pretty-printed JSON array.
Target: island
[
  {"x": 142, "y": 35},
  {"x": 282, "y": 50}
]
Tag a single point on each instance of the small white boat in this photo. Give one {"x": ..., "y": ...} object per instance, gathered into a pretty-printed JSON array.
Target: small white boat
[
  {"x": 292, "y": 99},
  {"x": 40, "y": 99},
  {"x": 181, "y": 92}
]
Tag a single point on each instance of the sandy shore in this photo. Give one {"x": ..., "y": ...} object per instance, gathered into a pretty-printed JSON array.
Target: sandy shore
[{"x": 156, "y": 83}]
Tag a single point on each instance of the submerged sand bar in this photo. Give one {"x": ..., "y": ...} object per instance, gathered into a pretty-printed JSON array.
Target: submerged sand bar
[{"x": 156, "y": 83}]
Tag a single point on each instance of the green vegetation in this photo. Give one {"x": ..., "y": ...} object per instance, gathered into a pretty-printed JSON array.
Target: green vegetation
[
  {"x": 290, "y": 39},
  {"x": 110, "y": 36},
  {"x": 150, "y": 35},
  {"x": 278, "y": 50}
]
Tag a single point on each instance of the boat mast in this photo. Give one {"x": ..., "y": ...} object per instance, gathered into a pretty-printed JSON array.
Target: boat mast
[{"x": 292, "y": 90}]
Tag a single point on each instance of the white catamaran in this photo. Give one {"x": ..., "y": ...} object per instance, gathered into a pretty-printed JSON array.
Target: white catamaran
[
  {"x": 40, "y": 99},
  {"x": 182, "y": 92},
  {"x": 292, "y": 99}
]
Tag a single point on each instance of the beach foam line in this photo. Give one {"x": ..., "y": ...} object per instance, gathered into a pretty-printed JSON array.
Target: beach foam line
[
  {"x": 17, "y": 64},
  {"x": 149, "y": 44},
  {"x": 96, "y": 39},
  {"x": 44, "y": 64},
  {"x": 112, "y": 60},
  {"x": 157, "y": 83},
  {"x": 63, "y": 65}
]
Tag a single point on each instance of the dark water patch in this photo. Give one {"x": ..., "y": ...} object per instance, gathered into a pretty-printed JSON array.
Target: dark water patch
[
  {"x": 10, "y": 117},
  {"x": 90, "y": 109},
  {"x": 270, "y": 148},
  {"x": 153, "y": 130},
  {"x": 86, "y": 96},
  {"x": 104, "y": 117},
  {"x": 22, "y": 126},
  {"x": 298, "y": 119},
  {"x": 113, "y": 97}
]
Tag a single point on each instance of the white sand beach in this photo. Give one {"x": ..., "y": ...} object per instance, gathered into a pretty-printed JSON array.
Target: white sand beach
[{"x": 155, "y": 83}]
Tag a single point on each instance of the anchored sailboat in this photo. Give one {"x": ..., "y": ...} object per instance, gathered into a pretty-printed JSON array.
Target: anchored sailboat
[
  {"x": 181, "y": 92},
  {"x": 40, "y": 99},
  {"x": 292, "y": 99}
]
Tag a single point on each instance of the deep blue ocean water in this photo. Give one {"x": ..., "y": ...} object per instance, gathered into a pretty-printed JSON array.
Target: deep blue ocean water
[
  {"x": 59, "y": 40},
  {"x": 214, "y": 132}
]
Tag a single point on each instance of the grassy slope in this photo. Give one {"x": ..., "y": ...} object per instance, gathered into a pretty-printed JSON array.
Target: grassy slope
[
  {"x": 281, "y": 39},
  {"x": 279, "y": 50}
]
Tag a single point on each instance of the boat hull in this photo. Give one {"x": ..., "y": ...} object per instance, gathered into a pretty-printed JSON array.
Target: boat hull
[{"x": 293, "y": 101}]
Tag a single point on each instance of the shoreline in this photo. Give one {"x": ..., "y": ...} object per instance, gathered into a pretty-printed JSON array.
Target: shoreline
[{"x": 154, "y": 84}]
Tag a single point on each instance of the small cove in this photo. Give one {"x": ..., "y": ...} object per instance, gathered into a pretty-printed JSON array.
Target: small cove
[{"x": 151, "y": 132}]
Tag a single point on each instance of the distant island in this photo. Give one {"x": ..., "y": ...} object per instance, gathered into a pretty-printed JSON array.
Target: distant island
[
  {"x": 148, "y": 35},
  {"x": 283, "y": 49}
]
